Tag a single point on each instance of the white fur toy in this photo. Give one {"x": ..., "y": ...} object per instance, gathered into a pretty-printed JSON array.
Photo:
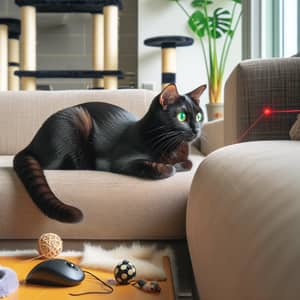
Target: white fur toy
[{"x": 148, "y": 260}]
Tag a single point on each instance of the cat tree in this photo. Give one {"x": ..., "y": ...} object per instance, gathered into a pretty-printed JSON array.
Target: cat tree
[
  {"x": 9, "y": 53},
  {"x": 168, "y": 46},
  {"x": 105, "y": 14}
]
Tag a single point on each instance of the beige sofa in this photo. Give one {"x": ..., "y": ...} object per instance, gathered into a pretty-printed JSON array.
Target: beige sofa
[
  {"x": 243, "y": 213},
  {"x": 115, "y": 207}
]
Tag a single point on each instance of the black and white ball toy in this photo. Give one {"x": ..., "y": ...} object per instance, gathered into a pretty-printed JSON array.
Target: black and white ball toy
[{"x": 124, "y": 272}]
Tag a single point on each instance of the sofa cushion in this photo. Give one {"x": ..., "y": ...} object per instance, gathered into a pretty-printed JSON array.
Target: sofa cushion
[{"x": 114, "y": 206}]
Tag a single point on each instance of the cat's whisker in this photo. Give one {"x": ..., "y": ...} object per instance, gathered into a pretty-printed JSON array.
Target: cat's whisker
[
  {"x": 162, "y": 139},
  {"x": 177, "y": 141},
  {"x": 176, "y": 144},
  {"x": 158, "y": 146},
  {"x": 161, "y": 135},
  {"x": 170, "y": 143},
  {"x": 156, "y": 128},
  {"x": 166, "y": 146},
  {"x": 165, "y": 134}
]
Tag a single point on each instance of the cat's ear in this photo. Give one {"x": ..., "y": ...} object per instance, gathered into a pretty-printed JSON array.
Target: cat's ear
[
  {"x": 196, "y": 93},
  {"x": 168, "y": 95}
]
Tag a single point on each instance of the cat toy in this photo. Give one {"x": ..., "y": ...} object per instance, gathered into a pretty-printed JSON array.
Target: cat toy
[
  {"x": 8, "y": 282},
  {"x": 50, "y": 245},
  {"x": 125, "y": 273},
  {"x": 147, "y": 286}
]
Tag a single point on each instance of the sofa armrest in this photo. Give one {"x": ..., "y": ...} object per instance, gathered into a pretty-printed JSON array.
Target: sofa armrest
[
  {"x": 254, "y": 85},
  {"x": 243, "y": 220},
  {"x": 212, "y": 137}
]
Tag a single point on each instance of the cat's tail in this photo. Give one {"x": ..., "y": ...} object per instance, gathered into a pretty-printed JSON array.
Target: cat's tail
[{"x": 32, "y": 175}]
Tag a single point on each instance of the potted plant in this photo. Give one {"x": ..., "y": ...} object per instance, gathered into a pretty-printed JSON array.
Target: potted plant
[{"x": 210, "y": 28}]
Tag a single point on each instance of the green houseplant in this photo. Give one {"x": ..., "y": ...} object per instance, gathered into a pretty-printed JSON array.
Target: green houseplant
[{"x": 218, "y": 27}]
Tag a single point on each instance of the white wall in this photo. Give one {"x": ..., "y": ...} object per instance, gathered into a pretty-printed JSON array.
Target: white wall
[{"x": 164, "y": 17}]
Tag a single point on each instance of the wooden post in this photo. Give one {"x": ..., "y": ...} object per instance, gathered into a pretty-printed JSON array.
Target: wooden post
[
  {"x": 168, "y": 62},
  {"x": 13, "y": 60},
  {"x": 28, "y": 44},
  {"x": 98, "y": 47},
  {"x": 3, "y": 57},
  {"x": 111, "y": 50}
]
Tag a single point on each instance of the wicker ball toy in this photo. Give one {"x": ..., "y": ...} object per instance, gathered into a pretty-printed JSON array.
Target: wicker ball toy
[
  {"x": 124, "y": 272},
  {"x": 50, "y": 245}
]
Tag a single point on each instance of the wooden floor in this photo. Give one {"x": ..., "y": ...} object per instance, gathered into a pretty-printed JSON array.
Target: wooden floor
[{"x": 33, "y": 292}]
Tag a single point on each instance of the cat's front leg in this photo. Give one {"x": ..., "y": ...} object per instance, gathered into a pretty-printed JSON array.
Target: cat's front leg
[
  {"x": 179, "y": 158},
  {"x": 144, "y": 168},
  {"x": 183, "y": 166}
]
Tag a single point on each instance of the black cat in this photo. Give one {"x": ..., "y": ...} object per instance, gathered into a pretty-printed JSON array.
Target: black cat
[{"x": 105, "y": 137}]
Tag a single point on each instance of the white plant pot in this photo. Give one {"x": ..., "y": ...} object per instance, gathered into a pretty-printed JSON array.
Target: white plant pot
[{"x": 215, "y": 111}]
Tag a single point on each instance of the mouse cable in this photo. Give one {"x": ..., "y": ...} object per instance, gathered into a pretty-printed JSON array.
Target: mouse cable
[{"x": 89, "y": 293}]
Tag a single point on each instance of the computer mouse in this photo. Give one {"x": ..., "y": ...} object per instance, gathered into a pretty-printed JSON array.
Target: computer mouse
[{"x": 55, "y": 272}]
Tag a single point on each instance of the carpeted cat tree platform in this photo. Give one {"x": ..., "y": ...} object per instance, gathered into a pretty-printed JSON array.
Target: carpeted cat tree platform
[{"x": 168, "y": 46}]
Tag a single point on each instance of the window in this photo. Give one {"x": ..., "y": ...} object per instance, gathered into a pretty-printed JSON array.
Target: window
[
  {"x": 290, "y": 27},
  {"x": 271, "y": 28}
]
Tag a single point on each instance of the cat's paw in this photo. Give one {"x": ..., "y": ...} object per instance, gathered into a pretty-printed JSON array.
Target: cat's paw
[
  {"x": 184, "y": 166},
  {"x": 165, "y": 170},
  {"x": 161, "y": 170}
]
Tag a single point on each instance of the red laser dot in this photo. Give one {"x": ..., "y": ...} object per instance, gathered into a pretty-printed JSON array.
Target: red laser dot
[{"x": 267, "y": 111}]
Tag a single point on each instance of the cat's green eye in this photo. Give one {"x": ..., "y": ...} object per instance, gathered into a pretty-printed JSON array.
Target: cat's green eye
[
  {"x": 199, "y": 117},
  {"x": 181, "y": 116}
]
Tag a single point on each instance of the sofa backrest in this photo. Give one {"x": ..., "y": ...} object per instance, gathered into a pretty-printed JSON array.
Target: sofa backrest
[
  {"x": 254, "y": 85},
  {"x": 22, "y": 113}
]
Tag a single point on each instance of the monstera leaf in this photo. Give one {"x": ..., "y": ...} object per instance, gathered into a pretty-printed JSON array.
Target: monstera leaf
[
  {"x": 201, "y": 3},
  {"x": 219, "y": 23},
  {"x": 237, "y": 1},
  {"x": 215, "y": 26},
  {"x": 198, "y": 23}
]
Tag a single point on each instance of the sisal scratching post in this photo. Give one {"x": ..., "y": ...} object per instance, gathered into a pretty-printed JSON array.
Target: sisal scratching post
[
  {"x": 28, "y": 44},
  {"x": 168, "y": 60},
  {"x": 168, "y": 46},
  {"x": 14, "y": 31},
  {"x": 13, "y": 64},
  {"x": 98, "y": 48},
  {"x": 9, "y": 52},
  {"x": 111, "y": 51},
  {"x": 3, "y": 57}
]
